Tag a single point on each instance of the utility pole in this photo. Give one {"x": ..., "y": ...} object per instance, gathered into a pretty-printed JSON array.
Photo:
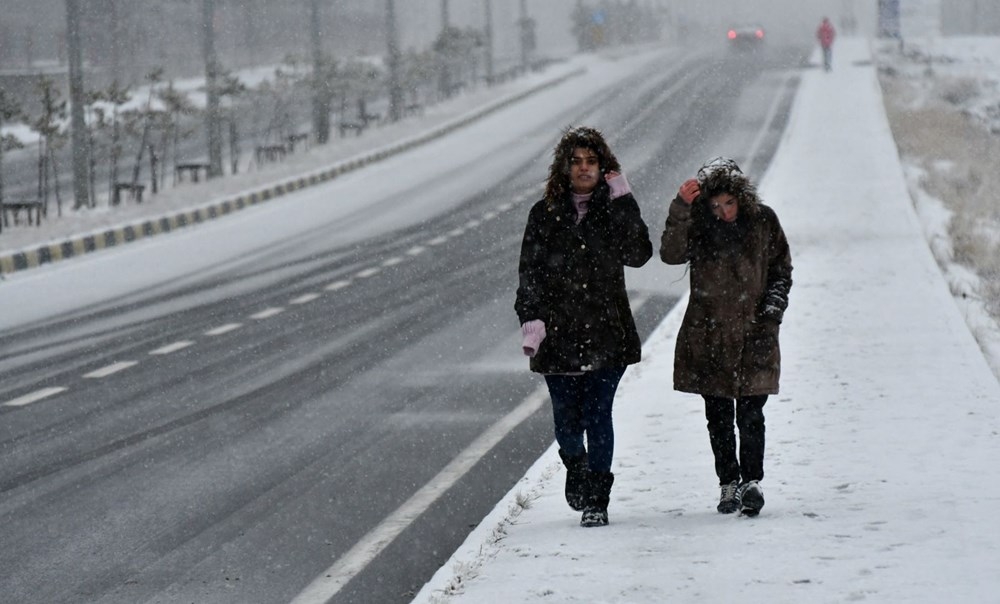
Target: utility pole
[
  {"x": 488, "y": 41},
  {"x": 445, "y": 20},
  {"x": 213, "y": 122},
  {"x": 392, "y": 36},
  {"x": 78, "y": 126},
  {"x": 321, "y": 91},
  {"x": 525, "y": 32}
]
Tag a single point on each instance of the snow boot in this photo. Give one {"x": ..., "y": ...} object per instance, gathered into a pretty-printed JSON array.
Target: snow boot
[
  {"x": 576, "y": 479},
  {"x": 596, "y": 511},
  {"x": 751, "y": 498},
  {"x": 727, "y": 500}
]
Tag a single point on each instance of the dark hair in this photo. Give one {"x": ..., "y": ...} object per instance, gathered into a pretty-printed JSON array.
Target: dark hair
[{"x": 558, "y": 184}]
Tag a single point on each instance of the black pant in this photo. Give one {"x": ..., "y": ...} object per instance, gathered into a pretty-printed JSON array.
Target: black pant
[{"x": 749, "y": 411}]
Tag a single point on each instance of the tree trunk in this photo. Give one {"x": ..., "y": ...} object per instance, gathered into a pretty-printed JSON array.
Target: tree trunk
[
  {"x": 213, "y": 125},
  {"x": 78, "y": 128}
]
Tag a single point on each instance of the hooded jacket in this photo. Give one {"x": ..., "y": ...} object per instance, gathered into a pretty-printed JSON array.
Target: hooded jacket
[{"x": 740, "y": 279}]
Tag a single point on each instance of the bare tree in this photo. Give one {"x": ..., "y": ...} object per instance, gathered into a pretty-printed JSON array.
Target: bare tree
[
  {"x": 8, "y": 111},
  {"x": 118, "y": 97},
  {"x": 51, "y": 138}
]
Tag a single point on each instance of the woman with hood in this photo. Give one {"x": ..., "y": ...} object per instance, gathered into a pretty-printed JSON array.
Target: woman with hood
[
  {"x": 575, "y": 316},
  {"x": 727, "y": 348}
]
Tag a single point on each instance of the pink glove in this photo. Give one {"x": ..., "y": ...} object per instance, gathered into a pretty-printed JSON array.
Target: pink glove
[
  {"x": 618, "y": 183},
  {"x": 533, "y": 333}
]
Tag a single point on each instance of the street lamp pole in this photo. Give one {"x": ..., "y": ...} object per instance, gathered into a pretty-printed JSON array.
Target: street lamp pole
[
  {"x": 392, "y": 37},
  {"x": 78, "y": 126},
  {"x": 488, "y": 40}
]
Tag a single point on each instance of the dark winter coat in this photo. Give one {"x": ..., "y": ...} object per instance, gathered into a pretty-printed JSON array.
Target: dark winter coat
[
  {"x": 741, "y": 274},
  {"x": 572, "y": 277}
]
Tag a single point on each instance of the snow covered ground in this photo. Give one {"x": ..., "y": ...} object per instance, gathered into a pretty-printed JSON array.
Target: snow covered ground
[{"x": 881, "y": 445}]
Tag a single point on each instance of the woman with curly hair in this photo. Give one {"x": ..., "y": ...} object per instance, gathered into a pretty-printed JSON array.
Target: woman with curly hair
[
  {"x": 727, "y": 348},
  {"x": 575, "y": 316}
]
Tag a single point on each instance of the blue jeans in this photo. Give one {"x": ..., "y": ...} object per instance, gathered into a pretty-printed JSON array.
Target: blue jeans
[{"x": 581, "y": 405}]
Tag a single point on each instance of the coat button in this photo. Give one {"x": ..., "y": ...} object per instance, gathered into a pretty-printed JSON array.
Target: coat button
[{"x": 583, "y": 246}]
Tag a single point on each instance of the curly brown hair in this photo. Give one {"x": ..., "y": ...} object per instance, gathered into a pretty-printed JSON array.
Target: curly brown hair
[{"x": 574, "y": 137}]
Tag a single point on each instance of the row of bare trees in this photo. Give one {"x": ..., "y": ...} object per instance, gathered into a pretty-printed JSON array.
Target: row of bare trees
[{"x": 120, "y": 129}]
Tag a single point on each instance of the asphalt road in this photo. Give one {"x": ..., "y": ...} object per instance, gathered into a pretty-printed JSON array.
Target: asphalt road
[{"x": 231, "y": 436}]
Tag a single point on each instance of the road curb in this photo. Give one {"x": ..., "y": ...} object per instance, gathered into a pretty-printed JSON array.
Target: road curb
[{"x": 92, "y": 242}]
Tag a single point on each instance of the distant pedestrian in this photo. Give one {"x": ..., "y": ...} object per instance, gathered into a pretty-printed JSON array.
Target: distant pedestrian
[
  {"x": 576, "y": 321},
  {"x": 727, "y": 348},
  {"x": 825, "y": 34}
]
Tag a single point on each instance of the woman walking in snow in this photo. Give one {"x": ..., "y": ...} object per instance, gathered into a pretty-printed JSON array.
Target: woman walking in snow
[
  {"x": 825, "y": 34},
  {"x": 727, "y": 348},
  {"x": 574, "y": 312}
]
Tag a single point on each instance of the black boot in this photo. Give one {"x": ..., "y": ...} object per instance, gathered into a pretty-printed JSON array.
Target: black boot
[
  {"x": 576, "y": 479},
  {"x": 596, "y": 511}
]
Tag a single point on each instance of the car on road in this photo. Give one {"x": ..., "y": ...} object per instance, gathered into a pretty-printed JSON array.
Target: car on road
[{"x": 745, "y": 37}]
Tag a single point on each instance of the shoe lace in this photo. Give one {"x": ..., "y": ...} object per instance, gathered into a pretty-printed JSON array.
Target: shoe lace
[{"x": 729, "y": 491}]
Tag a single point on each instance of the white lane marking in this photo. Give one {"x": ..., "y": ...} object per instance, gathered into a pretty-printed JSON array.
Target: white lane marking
[
  {"x": 337, "y": 285},
  {"x": 368, "y": 272},
  {"x": 305, "y": 298},
  {"x": 437, "y": 241},
  {"x": 221, "y": 329},
  {"x": 416, "y": 250},
  {"x": 489, "y": 215},
  {"x": 392, "y": 261},
  {"x": 172, "y": 347},
  {"x": 35, "y": 396},
  {"x": 109, "y": 369},
  {"x": 771, "y": 112},
  {"x": 324, "y": 587},
  {"x": 456, "y": 232},
  {"x": 506, "y": 206},
  {"x": 471, "y": 224},
  {"x": 267, "y": 313}
]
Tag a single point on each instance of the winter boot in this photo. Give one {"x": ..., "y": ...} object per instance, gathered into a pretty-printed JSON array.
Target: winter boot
[
  {"x": 576, "y": 479},
  {"x": 751, "y": 498},
  {"x": 727, "y": 501},
  {"x": 596, "y": 511}
]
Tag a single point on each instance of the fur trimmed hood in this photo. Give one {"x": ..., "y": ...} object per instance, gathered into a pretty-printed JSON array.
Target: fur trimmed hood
[{"x": 723, "y": 175}]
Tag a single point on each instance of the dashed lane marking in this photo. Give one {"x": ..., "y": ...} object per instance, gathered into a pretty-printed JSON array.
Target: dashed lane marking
[
  {"x": 368, "y": 272},
  {"x": 305, "y": 298},
  {"x": 221, "y": 329},
  {"x": 110, "y": 369},
  {"x": 416, "y": 250},
  {"x": 35, "y": 396},
  {"x": 392, "y": 261},
  {"x": 267, "y": 313},
  {"x": 172, "y": 347},
  {"x": 437, "y": 240},
  {"x": 337, "y": 285}
]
